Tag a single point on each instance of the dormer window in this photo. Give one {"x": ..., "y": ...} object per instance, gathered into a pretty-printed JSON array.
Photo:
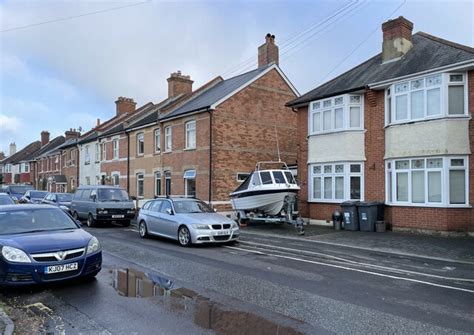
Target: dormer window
[
  {"x": 335, "y": 114},
  {"x": 428, "y": 97}
]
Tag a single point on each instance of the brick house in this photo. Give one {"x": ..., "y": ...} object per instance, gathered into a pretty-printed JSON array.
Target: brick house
[
  {"x": 396, "y": 128},
  {"x": 16, "y": 167},
  {"x": 44, "y": 159},
  {"x": 203, "y": 143}
]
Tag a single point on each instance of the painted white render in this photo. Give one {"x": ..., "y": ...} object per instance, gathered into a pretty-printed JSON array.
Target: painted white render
[
  {"x": 336, "y": 147},
  {"x": 91, "y": 170},
  {"x": 436, "y": 137}
]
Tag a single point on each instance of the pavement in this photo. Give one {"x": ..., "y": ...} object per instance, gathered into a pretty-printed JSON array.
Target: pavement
[
  {"x": 6, "y": 324},
  {"x": 449, "y": 248}
]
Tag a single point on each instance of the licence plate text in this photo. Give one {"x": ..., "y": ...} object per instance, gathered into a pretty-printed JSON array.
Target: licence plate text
[
  {"x": 117, "y": 216},
  {"x": 60, "y": 268}
]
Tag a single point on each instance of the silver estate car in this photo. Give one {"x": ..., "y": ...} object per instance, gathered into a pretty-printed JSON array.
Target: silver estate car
[{"x": 186, "y": 220}]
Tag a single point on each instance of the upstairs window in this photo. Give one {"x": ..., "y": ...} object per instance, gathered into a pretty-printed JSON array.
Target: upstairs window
[
  {"x": 340, "y": 113},
  {"x": 87, "y": 158},
  {"x": 157, "y": 140},
  {"x": 428, "y": 97},
  {"x": 168, "y": 139},
  {"x": 116, "y": 148},
  {"x": 190, "y": 135},
  {"x": 97, "y": 152},
  {"x": 104, "y": 151},
  {"x": 140, "y": 144}
]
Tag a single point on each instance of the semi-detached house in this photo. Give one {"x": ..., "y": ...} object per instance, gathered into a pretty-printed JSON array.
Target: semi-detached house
[{"x": 397, "y": 128}]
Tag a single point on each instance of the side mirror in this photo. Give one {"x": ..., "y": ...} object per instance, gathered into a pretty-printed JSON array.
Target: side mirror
[
  {"x": 94, "y": 197},
  {"x": 169, "y": 211}
]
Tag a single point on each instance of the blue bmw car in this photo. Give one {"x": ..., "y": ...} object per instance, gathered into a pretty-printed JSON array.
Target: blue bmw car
[{"x": 42, "y": 244}]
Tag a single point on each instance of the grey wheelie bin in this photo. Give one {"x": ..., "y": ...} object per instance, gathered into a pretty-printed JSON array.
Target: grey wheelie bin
[
  {"x": 369, "y": 213},
  {"x": 350, "y": 218}
]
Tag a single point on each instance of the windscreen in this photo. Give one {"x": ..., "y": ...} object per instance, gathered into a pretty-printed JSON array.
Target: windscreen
[
  {"x": 5, "y": 200},
  {"x": 112, "y": 194},
  {"x": 64, "y": 197},
  {"x": 20, "y": 189},
  {"x": 34, "y": 220},
  {"x": 289, "y": 177},
  {"x": 192, "y": 207},
  {"x": 38, "y": 194}
]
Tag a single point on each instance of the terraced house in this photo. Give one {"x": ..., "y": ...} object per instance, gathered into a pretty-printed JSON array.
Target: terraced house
[
  {"x": 204, "y": 142},
  {"x": 397, "y": 128}
]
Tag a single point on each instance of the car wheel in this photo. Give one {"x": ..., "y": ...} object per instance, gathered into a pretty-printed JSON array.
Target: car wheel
[
  {"x": 126, "y": 223},
  {"x": 142, "y": 229},
  {"x": 184, "y": 236},
  {"x": 90, "y": 221}
]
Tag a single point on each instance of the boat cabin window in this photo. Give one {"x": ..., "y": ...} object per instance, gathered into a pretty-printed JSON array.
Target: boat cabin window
[
  {"x": 255, "y": 179},
  {"x": 279, "y": 178},
  {"x": 266, "y": 178},
  {"x": 289, "y": 177}
]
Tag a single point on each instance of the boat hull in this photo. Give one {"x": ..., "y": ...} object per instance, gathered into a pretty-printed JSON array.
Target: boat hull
[{"x": 268, "y": 202}]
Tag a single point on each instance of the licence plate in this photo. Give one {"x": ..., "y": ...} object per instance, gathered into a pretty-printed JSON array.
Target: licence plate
[
  {"x": 223, "y": 232},
  {"x": 60, "y": 268},
  {"x": 118, "y": 216}
]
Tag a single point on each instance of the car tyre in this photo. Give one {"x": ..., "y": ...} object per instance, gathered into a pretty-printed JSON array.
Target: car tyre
[
  {"x": 184, "y": 236},
  {"x": 142, "y": 229},
  {"x": 90, "y": 221}
]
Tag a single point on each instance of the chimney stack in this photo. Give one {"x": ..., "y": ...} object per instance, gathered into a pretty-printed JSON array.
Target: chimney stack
[
  {"x": 71, "y": 133},
  {"x": 268, "y": 51},
  {"x": 97, "y": 123},
  {"x": 179, "y": 84},
  {"x": 2, "y": 156},
  {"x": 12, "y": 148},
  {"x": 44, "y": 137},
  {"x": 125, "y": 105},
  {"x": 397, "y": 40}
]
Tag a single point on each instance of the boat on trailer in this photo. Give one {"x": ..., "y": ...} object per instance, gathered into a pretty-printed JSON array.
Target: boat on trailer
[{"x": 267, "y": 194}]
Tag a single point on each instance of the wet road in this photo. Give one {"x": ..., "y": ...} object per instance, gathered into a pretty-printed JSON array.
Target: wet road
[{"x": 286, "y": 284}]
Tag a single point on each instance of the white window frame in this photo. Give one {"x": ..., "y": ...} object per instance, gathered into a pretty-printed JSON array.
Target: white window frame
[
  {"x": 104, "y": 151},
  {"x": 317, "y": 110},
  {"x": 189, "y": 175},
  {"x": 242, "y": 176},
  {"x": 140, "y": 178},
  {"x": 115, "y": 174},
  {"x": 158, "y": 176},
  {"x": 168, "y": 139},
  {"x": 190, "y": 131},
  {"x": 97, "y": 152},
  {"x": 157, "y": 138},
  {"x": 390, "y": 98},
  {"x": 140, "y": 139},
  {"x": 445, "y": 201},
  {"x": 115, "y": 145},
  {"x": 333, "y": 174},
  {"x": 87, "y": 158}
]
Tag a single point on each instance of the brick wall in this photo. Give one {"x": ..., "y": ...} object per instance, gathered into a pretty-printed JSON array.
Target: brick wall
[{"x": 111, "y": 165}]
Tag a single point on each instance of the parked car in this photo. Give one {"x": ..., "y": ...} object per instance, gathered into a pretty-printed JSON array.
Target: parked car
[
  {"x": 102, "y": 203},
  {"x": 17, "y": 191},
  {"x": 32, "y": 197},
  {"x": 186, "y": 220},
  {"x": 5, "y": 199},
  {"x": 44, "y": 245},
  {"x": 61, "y": 200}
]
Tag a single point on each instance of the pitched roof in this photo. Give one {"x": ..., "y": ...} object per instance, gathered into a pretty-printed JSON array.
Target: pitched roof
[
  {"x": 24, "y": 153},
  {"x": 215, "y": 93},
  {"x": 49, "y": 147},
  {"x": 428, "y": 53},
  {"x": 123, "y": 124}
]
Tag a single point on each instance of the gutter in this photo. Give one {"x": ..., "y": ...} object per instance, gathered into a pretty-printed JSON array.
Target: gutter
[{"x": 192, "y": 112}]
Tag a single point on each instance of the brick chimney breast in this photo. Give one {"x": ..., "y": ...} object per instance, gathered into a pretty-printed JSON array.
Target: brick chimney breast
[
  {"x": 44, "y": 137},
  {"x": 71, "y": 133},
  {"x": 179, "y": 84},
  {"x": 268, "y": 51},
  {"x": 125, "y": 105},
  {"x": 397, "y": 38}
]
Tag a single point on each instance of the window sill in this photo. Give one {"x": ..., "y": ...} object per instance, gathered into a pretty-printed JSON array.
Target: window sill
[
  {"x": 427, "y": 205},
  {"x": 434, "y": 118},
  {"x": 189, "y": 149},
  {"x": 140, "y": 155},
  {"x": 337, "y": 132},
  {"x": 167, "y": 152}
]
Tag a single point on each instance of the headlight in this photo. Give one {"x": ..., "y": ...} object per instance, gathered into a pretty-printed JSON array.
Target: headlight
[
  {"x": 15, "y": 255},
  {"x": 131, "y": 211},
  {"x": 200, "y": 226},
  {"x": 234, "y": 225},
  {"x": 93, "y": 245},
  {"x": 101, "y": 211}
]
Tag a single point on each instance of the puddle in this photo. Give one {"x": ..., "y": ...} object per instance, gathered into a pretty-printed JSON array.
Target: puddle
[{"x": 206, "y": 313}]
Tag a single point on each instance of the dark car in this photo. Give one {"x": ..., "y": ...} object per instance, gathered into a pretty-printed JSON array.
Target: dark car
[
  {"x": 5, "y": 199},
  {"x": 42, "y": 244},
  {"x": 32, "y": 197},
  {"x": 61, "y": 200},
  {"x": 17, "y": 191},
  {"x": 102, "y": 203}
]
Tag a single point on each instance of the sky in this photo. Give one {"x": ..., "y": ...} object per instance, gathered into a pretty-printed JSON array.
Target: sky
[{"x": 64, "y": 62}]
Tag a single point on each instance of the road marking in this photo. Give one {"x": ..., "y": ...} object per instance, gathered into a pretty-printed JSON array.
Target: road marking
[
  {"x": 356, "y": 270},
  {"x": 399, "y": 253},
  {"x": 402, "y": 271}
]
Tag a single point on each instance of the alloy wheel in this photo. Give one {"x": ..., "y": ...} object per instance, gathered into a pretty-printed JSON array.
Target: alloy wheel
[{"x": 184, "y": 237}]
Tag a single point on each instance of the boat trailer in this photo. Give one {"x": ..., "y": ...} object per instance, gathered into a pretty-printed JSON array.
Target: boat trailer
[{"x": 287, "y": 215}]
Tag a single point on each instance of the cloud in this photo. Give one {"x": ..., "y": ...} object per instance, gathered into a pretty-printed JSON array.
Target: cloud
[{"x": 9, "y": 124}]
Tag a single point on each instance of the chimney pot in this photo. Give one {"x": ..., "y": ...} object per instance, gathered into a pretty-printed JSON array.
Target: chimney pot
[
  {"x": 179, "y": 84},
  {"x": 397, "y": 38},
  {"x": 268, "y": 51}
]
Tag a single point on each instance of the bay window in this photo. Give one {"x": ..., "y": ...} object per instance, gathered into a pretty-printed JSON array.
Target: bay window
[
  {"x": 428, "y": 97},
  {"x": 336, "y": 182},
  {"x": 336, "y": 114},
  {"x": 431, "y": 181}
]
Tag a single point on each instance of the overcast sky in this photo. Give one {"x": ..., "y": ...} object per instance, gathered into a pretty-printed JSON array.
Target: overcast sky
[{"x": 68, "y": 73}]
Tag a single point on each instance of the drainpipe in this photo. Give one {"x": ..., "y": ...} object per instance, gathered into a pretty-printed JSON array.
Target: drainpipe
[
  {"x": 77, "y": 163},
  {"x": 128, "y": 162},
  {"x": 210, "y": 156}
]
